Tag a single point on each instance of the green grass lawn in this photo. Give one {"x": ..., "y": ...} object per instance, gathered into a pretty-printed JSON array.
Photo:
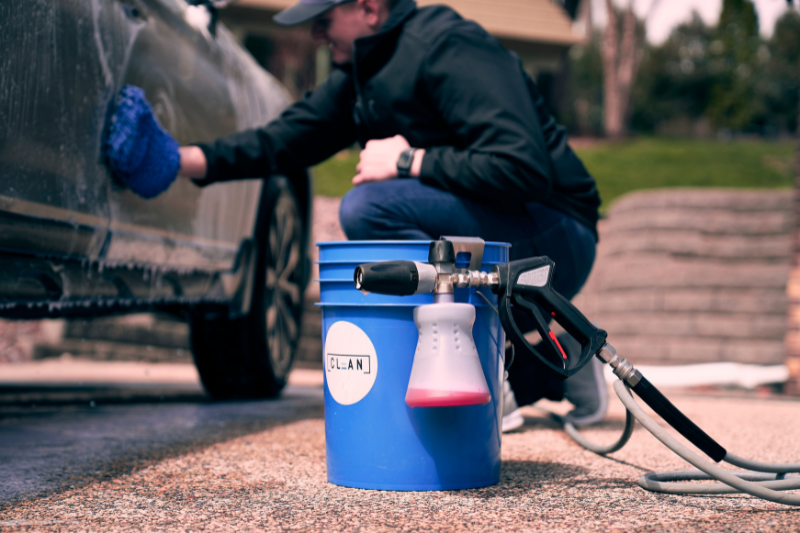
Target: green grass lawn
[{"x": 646, "y": 163}]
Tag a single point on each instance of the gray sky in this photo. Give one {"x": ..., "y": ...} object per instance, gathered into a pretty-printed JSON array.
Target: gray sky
[{"x": 670, "y": 13}]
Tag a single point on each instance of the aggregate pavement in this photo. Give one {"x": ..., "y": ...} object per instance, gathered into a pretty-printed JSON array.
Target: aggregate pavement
[{"x": 267, "y": 473}]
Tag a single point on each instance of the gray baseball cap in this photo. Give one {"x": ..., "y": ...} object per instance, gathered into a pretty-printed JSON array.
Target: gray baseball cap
[{"x": 304, "y": 11}]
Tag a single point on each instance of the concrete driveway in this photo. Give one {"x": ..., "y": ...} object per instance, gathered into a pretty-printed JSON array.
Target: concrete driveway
[{"x": 260, "y": 466}]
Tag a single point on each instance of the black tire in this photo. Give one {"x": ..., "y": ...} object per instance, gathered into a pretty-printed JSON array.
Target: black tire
[{"x": 251, "y": 356}]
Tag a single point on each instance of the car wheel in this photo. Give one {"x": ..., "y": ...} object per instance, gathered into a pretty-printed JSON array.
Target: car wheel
[{"x": 251, "y": 356}]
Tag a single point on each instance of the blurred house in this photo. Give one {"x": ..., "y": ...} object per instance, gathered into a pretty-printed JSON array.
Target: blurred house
[{"x": 539, "y": 31}]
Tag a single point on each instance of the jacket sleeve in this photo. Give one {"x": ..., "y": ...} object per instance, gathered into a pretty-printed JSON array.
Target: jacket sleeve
[
  {"x": 306, "y": 133},
  {"x": 480, "y": 90}
]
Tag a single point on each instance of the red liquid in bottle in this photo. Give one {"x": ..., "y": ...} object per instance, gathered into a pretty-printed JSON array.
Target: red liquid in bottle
[{"x": 445, "y": 398}]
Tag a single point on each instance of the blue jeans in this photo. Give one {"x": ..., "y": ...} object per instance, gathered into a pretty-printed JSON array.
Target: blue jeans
[{"x": 405, "y": 209}]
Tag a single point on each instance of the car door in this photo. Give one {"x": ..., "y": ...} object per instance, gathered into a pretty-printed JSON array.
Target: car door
[
  {"x": 53, "y": 89},
  {"x": 185, "y": 74}
]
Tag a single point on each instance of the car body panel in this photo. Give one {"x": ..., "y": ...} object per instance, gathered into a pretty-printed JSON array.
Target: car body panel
[
  {"x": 49, "y": 122},
  {"x": 63, "y": 63}
]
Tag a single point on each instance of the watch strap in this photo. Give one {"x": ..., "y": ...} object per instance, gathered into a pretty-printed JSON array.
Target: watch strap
[{"x": 404, "y": 162}]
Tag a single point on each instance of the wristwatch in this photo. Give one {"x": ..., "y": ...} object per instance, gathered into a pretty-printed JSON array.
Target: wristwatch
[{"x": 404, "y": 162}]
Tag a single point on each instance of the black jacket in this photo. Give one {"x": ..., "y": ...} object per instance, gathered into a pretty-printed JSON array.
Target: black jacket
[{"x": 444, "y": 84}]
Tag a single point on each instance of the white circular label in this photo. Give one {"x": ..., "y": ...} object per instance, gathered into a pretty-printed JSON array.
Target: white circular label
[{"x": 351, "y": 363}]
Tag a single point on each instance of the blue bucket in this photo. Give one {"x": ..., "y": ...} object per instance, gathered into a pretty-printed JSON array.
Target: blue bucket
[{"x": 373, "y": 439}]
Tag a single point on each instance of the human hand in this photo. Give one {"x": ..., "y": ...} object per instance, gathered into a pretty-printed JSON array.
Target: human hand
[{"x": 379, "y": 159}]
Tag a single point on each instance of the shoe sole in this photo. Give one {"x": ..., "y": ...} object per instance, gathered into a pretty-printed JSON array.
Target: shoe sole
[{"x": 513, "y": 421}]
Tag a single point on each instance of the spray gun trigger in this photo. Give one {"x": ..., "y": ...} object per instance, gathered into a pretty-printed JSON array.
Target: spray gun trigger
[{"x": 555, "y": 340}]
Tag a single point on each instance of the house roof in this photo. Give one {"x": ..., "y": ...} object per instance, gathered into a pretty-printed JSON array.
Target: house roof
[{"x": 526, "y": 20}]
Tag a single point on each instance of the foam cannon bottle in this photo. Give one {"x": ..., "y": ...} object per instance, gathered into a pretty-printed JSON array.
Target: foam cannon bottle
[{"x": 447, "y": 370}]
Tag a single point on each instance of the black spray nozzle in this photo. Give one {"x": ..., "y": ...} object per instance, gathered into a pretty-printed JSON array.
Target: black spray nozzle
[{"x": 396, "y": 278}]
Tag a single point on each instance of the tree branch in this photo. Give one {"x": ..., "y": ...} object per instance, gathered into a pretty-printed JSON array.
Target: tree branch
[{"x": 611, "y": 119}]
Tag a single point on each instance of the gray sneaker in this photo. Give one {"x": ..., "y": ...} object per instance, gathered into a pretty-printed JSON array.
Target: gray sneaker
[
  {"x": 587, "y": 391},
  {"x": 512, "y": 418}
]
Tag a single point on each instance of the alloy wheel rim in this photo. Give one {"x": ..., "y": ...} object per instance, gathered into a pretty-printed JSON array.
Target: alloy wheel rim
[{"x": 282, "y": 288}]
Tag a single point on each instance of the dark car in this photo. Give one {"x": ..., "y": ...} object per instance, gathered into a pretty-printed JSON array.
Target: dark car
[{"x": 229, "y": 258}]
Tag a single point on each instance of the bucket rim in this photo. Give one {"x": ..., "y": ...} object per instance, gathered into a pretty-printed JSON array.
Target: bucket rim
[
  {"x": 388, "y": 305},
  {"x": 349, "y": 262},
  {"x": 374, "y": 242},
  {"x": 342, "y": 280}
]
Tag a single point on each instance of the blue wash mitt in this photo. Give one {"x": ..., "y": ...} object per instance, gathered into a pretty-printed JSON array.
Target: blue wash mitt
[{"x": 140, "y": 152}]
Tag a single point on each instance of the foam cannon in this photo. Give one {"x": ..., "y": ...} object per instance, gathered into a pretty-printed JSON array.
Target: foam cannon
[{"x": 446, "y": 369}]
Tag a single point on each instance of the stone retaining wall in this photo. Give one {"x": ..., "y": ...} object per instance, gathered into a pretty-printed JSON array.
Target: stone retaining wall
[{"x": 694, "y": 275}]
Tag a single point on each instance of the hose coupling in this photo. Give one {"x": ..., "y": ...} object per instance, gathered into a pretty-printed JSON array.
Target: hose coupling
[
  {"x": 443, "y": 286},
  {"x": 463, "y": 278},
  {"x": 622, "y": 368},
  {"x": 471, "y": 278}
]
